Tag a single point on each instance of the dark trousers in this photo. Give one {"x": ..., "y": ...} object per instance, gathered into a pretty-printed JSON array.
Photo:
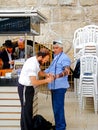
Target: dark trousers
[
  {"x": 26, "y": 94},
  {"x": 58, "y": 96}
]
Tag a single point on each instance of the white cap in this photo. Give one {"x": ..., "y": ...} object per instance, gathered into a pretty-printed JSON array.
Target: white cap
[{"x": 58, "y": 42}]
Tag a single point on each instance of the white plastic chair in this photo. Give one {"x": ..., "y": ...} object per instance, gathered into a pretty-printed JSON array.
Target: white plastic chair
[
  {"x": 87, "y": 50},
  {"x": 88, "y": 80},
  {"x": 84, "y": 37},
  {"x": 77, "y": 41},
  {"x": 91, "y": 34}
]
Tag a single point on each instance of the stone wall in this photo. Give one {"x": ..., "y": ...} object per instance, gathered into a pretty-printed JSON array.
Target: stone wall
[{"x": 64, "y": 17}]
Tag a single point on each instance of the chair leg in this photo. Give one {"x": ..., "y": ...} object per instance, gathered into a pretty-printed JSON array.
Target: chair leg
[
  {"x": 95, "y": 105},
  {"x": 80, "y": 103},
  {"x": 84, "y": 102}
]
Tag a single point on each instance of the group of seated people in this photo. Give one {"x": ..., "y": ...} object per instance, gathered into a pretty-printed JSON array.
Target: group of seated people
[{"x": 10, "y": 53}]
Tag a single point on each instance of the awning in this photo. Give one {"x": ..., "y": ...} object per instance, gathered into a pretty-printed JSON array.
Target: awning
[{"x": 21, "y": 21}]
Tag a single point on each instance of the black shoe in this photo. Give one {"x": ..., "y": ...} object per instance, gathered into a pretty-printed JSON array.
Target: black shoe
[{"x": 53, "y": 127}]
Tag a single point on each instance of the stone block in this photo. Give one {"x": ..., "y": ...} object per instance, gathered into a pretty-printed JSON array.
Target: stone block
[{"x": 88, "y": 2}]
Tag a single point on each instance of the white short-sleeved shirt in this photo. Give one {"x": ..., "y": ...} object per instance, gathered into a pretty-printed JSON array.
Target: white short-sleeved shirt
[{"x": 30, "y": 68}]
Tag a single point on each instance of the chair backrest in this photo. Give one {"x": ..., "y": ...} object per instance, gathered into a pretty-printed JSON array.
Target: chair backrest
[
  {"x": 91, "y": 34},
  {"x": 90, "y": 49},
  {"x": 77, "y": 41},
  {"x": 88, "y": 65},
  {"x": 86, "y": 36}
]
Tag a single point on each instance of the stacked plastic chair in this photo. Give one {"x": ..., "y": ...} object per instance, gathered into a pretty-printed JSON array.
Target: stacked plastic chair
[
  {"x": 86, "y": 36},
  {"x": 84, "y": 42},
  {"x": 88, "y": 80}
]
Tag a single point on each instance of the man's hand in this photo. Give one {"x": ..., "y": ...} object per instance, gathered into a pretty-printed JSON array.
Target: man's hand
[
  {"x": 49, "y": 74},
  {"x": 50, "y": 78},
  {"x": 11, "y": 62}
]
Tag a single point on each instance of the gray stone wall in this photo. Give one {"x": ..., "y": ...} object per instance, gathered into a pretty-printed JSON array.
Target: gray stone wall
[{"x": 64, "y": 17}]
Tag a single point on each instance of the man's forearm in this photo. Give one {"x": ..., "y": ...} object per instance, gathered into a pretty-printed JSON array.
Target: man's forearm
[{"x": 64, "y": 73}]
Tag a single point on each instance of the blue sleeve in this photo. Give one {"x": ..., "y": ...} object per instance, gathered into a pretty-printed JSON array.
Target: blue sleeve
[
  {"x": 66, "y": 62},
  {"x": 46, "y": 70}
]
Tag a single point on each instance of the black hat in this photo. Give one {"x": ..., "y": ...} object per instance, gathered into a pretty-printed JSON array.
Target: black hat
[{"x": 8, "y": 44}]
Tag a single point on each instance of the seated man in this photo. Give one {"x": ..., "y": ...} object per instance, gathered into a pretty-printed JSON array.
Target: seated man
[
  {"x": 6, "y": 55},
  {"x": 20, "y": 50}
]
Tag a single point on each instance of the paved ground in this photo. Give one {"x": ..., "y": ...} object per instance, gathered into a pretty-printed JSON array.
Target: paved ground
[{"x": 87, "y": 120}]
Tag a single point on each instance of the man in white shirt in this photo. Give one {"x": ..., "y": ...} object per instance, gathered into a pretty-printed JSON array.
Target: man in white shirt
[{"x": 28, "y": 80}]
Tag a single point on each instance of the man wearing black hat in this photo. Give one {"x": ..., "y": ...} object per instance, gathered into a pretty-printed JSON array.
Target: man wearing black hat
[{"x": 7, "y": 56}]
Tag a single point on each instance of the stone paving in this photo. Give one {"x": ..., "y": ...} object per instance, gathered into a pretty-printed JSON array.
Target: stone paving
[{"x": 87, "y": 120}]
